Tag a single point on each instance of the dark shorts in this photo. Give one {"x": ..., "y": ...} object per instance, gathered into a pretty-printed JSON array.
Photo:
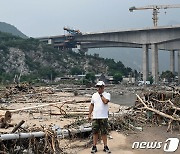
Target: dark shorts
[{"x": 100, "y": 125}]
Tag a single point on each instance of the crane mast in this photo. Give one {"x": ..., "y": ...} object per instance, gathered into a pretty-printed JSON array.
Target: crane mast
[{"x": 155, "y": 9}]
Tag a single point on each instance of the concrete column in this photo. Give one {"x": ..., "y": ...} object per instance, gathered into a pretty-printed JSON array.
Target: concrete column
[
  {"x": 179, "y": 67},
  {"x": 172, "y": 61},
  {"x": 155, "y": 65},
  {"x": 145, "y": 62}
]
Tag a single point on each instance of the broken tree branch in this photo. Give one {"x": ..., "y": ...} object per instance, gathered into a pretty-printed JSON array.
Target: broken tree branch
[
  {"x": 158, "y": 112},
  {"x": 17, "y": 126}
]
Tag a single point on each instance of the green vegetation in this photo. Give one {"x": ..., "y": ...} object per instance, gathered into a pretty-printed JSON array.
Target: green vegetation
[
  {"x": 168, "y": 75},
  {"x": 4, "y": 27},
  {"x": 150, "y": 79},
  {"x": 8, "y": 40},
  {"x": 117, "y": 77},
  {"x": 76, "y": 71},
  {"x": 47, "y": 73},
  {"x": 90, "y": 77},
  {"x": 117, "y": 68}
]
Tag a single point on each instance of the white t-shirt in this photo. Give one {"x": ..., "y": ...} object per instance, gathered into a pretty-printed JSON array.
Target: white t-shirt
[{"x": 100, "y": 110}]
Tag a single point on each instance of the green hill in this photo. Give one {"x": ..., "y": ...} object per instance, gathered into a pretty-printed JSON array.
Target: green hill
[
  {"x": 34, "y": 60},
  {"x": 4, "y": 27}
]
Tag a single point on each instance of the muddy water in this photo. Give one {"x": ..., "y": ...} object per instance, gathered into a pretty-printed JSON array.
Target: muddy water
[{"x": 127, "y": 100}]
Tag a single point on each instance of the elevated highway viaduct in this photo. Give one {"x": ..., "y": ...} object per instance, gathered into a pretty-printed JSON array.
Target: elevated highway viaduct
[{"x": 164, "y": 38}]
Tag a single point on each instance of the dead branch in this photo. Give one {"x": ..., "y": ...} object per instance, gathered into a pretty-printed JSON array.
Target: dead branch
[{"x": 158, "y": 112}]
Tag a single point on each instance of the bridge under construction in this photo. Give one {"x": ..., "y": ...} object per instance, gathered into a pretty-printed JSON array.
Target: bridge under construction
[{"x": 155, "y": 38}]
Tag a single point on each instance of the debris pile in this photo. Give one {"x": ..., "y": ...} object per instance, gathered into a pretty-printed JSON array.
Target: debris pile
[
  {"x": 17, "y": 88},
  {"x": 34, "y": 141},
  {"x": 42, "y": 109},
  {"x": 157, "y": 108}
]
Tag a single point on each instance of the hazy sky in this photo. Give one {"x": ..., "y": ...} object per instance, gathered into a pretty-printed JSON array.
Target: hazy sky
[{"x": 48, "y": 17}]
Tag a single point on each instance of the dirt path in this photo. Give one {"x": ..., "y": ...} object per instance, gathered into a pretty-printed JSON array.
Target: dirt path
[
  {"x": 122, "y": 144},
  {"x": 118, "y": 145}
]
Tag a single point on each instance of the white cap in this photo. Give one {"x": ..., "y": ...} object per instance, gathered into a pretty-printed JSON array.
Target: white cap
[{"x": 100, "y": 83}]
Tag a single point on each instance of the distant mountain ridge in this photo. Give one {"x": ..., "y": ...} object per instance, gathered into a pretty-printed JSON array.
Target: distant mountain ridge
[{"x": 5, "y": 27}]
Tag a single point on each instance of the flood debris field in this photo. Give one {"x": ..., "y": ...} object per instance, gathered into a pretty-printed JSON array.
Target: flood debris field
[
  {"x": 47, "y": 116},
  {"x": 54, "y": 119}
]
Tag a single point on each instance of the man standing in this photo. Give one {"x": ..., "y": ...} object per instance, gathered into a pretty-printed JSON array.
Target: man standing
[{"x": 99, "y": 107}]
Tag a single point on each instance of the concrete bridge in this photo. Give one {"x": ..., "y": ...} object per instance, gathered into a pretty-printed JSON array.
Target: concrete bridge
[{"x": 164, "y": 38}]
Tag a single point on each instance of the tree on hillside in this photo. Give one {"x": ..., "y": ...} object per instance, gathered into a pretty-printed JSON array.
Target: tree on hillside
[
  {"x": 117, "y": 77},
  {"x": 90, "y": 77},
  {"x": 115, "y": 67},
  {"x": 47, "y": 73},
  {"x": 76, "y": 71},
  {"x": 168, "y": 75}
]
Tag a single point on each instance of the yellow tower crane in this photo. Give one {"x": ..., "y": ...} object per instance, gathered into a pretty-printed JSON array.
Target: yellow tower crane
[{"x": 155, "y": 9}]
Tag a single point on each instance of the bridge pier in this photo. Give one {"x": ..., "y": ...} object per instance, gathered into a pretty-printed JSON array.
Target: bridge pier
[
  {"x": 172, "y": 61},
  {"x": 155, "y": 64},
  {"x": 178, "y": 67},
  {"x": 145, "y": 62}
]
